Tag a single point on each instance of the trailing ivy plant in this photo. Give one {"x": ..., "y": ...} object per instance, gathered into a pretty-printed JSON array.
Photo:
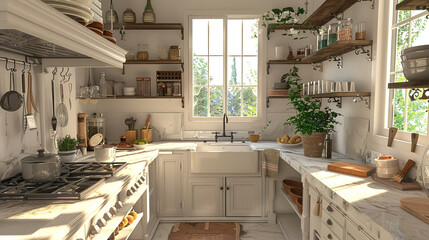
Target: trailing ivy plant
[
  {"x": 287, "y": 15},
  {"x": 309, "y": 116},
  {"x": 291, "y": 78}
]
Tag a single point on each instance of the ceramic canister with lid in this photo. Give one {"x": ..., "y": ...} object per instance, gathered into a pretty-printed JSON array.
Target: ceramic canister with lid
[{"x": 41, "y": 168}]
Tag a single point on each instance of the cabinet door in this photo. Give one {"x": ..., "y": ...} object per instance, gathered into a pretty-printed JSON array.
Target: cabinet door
[
  {"x": 152, "y": 195},
  {"x": 169, "y": 184},
  {"x": 204, "y": 197},
  {"x": 243, "y": 197}
]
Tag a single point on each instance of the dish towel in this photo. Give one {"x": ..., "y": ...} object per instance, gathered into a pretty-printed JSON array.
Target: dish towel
[{"x": 270, "y": 163}]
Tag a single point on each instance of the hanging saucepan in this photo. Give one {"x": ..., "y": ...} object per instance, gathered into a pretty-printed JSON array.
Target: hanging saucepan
[{"x": 12, "y": 100}]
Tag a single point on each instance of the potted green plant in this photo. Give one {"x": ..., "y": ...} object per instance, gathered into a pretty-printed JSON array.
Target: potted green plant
[
  {"x": 310, "y": 120},
  {"x": 67, "y": 148}
]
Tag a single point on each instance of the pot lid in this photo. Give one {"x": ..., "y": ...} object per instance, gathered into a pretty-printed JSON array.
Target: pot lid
[
  {"x": 41, "y": 157},
  {"x": 424, "y": 171},
  {"x": 95, "y": 140}
]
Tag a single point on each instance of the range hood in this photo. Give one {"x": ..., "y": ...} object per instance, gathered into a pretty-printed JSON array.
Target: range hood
[{"x": 34, "y": 29}]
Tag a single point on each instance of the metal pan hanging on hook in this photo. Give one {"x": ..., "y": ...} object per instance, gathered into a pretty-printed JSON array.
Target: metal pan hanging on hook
[{"x": 12, "y": 100}]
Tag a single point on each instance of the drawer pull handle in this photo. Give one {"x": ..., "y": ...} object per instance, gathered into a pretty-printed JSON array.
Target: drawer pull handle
[
  {"x": 329, "y": 222},
  {"x": 227, "y": 188},
  {"x": 329, "y": 236},
  {"x": 221, "y": 188},
  {"x": 329, "y": 208}
]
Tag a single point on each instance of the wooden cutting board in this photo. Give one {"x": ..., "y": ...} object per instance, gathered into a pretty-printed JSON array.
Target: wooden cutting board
[
  {"x": 351, "y": 169},
  {"x": 418, "y": 206},
  {"x": 403, "y": 186}
]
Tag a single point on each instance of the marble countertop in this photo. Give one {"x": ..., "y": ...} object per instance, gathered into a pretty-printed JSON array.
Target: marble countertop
[
  {"x": 54, "y": 219},
  {"x": 370, "y": 203}
]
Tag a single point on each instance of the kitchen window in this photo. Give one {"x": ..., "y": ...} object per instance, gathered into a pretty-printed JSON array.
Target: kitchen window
[
  {"x": 224, "y": 54},
  {"x": 409, "y": 28}
]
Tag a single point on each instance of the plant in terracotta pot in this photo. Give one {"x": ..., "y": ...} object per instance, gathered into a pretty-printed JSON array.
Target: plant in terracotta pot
[
  {"x": 67, "y": 148},
  {"x": 310, "y": 120}
]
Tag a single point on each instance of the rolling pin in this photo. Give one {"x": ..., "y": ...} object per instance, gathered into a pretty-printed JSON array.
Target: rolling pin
[{"x": 392, "y": 134}]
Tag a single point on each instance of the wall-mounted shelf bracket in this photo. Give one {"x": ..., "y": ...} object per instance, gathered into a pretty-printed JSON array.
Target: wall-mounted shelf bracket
[
  {"x": 183, "y": 66},
  {"x": 318, "y": 100},
  {"x": 339, "y": 60},
  {"x": 268, "y": 102},
  {"x": 365, "y": 50},
  {"x": 183, "y": 102},
  {"x": 366, "y": 100},
  {"x": 339, "y": 17},
  {"x": 415, "y": 93},
  {"x": 336, "y": 100},
  {"x": 268, "y": 68},
  {"x": 318, "y": 67},
  {"x": 372, "y": 2}
]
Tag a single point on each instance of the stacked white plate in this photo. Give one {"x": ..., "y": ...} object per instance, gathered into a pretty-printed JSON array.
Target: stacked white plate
[
  {"x": 74, "y": 8},
  {"x": 129, "y": 91},
  {"x": 415, "y": 63}
]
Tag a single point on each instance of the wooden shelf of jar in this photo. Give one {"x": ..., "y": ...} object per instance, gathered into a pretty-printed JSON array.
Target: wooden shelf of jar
[
  {"x": 409, "y": 85},
  {"x": 413, "y": 5},
  {"x": 131, "y": 62},
  {"x": 272, "y": 27},
  {"x": 339, "y": 95},
  {"x": 137, "y": 97},
  {"x": 152, "y": 26}
]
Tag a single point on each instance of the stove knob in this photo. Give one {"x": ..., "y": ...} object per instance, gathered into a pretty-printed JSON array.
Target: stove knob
[
  {"x": 113, "y": 210},
  {"x": 107, "y": 216},
  {"x": 133, "y": 189},
  {"x": 94, "y": 229},
  {"x": 140, "y": 181},
  {"x": 119, "y": 204},
  {"x": 101, "y": 222},
  {"x": 137, "y": 185},
  {"x": 130, "y": 192},
  {"x": 142, "y": 178}
]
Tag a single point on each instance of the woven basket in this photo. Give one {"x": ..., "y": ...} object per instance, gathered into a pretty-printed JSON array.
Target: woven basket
[
  {"x": 313, "y": 145},
  {"x": 295, "y": 193},
  {"x": 289, "y": 183},
  {"x": 298, "y": 203}
]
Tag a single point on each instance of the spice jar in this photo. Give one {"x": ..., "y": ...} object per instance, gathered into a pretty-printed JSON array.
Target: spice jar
[
  {"x": 360, "y": 31},
  {"x": 174, "y": 53},
  {"x": 345, "y": 30},
  {"x": 177, "y": 89},
  {"x": 333, "y": 33}
]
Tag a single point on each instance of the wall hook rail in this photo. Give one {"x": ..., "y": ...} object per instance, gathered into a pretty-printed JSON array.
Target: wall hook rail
[{"x": 336, "y": 100}]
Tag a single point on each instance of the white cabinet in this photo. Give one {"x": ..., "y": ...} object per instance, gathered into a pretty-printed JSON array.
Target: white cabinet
[
  {"x": 223, "y": 196},
  {"x": 243, "y": 197},
  {"x": 205, "y": 197},
  {"x": 354, "y": 232},
  {"x": 169, "y": 183},
  {"x": 151, "y": 179}
]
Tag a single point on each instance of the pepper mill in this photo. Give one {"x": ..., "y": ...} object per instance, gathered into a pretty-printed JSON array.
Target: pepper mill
[{"x": 328, "y": 146}]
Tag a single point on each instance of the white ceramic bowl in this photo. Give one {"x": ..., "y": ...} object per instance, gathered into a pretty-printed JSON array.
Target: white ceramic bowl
[
  {"x": 387, "y": 163},
  {"x": 418, "y": 62},
  {"x": 413, "y": 49},
  {"x": 140, "y": 146},
  {"x": 387, "y": 172},
  {"x": 416, "y": 54},
  {"x": 417, "y": 73}
]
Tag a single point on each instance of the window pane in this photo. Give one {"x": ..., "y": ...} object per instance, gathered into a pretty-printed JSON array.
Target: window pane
[
  {"x": 417, "y": 116},
  {"x": 216, "y": 70},
  {"x": 216, "y": 101},
  {"x": 200, "y": 36},
  {"x": 234, "y": 101},
  {"x": 200, "y": 102},
  {"x": 234, "y": 71},
  {"x": 403, "y": 15},
  {"x": 420, "y": 32},
  {"x": 398, "y": 109},
  {"x": 402, "y": 43},
  {"x": 200, "y": 69},
  {"x": 250, "y": 70},
  {"x": 249, "y": 101},
  {"x": 234, "y": 37},
  {"x": 216, "y": 37},
  {"x": 250, "y": 44}
]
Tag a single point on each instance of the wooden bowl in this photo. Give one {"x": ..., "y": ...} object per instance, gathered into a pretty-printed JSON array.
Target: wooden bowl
[
  {"x": 97, "y": 25},
  {"x": 288, "y": 184},
  {"x": 298, "y": 203},
  {"x": 254, "y": 137},
  {"x": 295, "y": 193},
  {"x": 108, "y": 33}
]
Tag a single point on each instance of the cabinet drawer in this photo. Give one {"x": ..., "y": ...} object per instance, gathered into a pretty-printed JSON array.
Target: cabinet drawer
[
  {"x": 356, "y": 233},
  {"x": 333, "y": 212},
  {"x": 327, "y": 233},
  {"x": 332, "y": 224}
]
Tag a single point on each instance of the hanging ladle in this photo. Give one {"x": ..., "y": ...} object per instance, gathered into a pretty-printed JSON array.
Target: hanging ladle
[{"x": 12, "y": 100}]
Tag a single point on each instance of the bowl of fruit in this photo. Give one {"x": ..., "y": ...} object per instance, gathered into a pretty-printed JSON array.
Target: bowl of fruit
[
  {"x": 140, "y": 143},
  {"x": 287, "y": 141}
]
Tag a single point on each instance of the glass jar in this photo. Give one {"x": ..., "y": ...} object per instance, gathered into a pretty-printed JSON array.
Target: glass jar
[
  {"x": 103, "y": 85},
  {"x": 322, "y": 40},
  {"x": 174, "y": 53},
  {"x": 345, "y": 30},
  {"x": 332, "y": 33},
  {"x": 177, "y": 89},
  {"x": 360, "y": 31},
  {"x": 95, "y": 125}
]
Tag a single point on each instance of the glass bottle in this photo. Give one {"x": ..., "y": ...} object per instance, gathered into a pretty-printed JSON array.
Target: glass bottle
[
  {"x": 322, "y": 38},
  {"x": 345, "y": 30},
  {"x": 148, "y": 14},
  {"x": 332, "y": 33},
  {"x": 103, "y": 85}
]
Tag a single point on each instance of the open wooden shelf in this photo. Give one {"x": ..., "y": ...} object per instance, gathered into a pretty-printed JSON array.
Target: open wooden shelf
[
  {"x": 339, "y": 94},
  {"x": 328, "y": 10},
  {"x": 274, "y": 27},
  {"x": 298, "y": 61},
  {"x": 153, "y": 62},
  {"x": 413, "y": 5},
  {"x": 153, "y": 26},
  {"x": 125, "y": 233},
  {"x": 336, "y": 49},
  {"x": 409, "y": 85},
  {"x": 292, "y": 204},
  {"x": 136, "y": 97}
]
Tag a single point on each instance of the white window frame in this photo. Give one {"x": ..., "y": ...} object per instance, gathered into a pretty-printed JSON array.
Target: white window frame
[
  {"x": 382, "y": 111},
  {"x": 260, "y": 86}
]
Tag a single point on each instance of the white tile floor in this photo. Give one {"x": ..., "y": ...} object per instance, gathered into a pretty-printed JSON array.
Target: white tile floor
[{"x": 254, "y": 231}]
